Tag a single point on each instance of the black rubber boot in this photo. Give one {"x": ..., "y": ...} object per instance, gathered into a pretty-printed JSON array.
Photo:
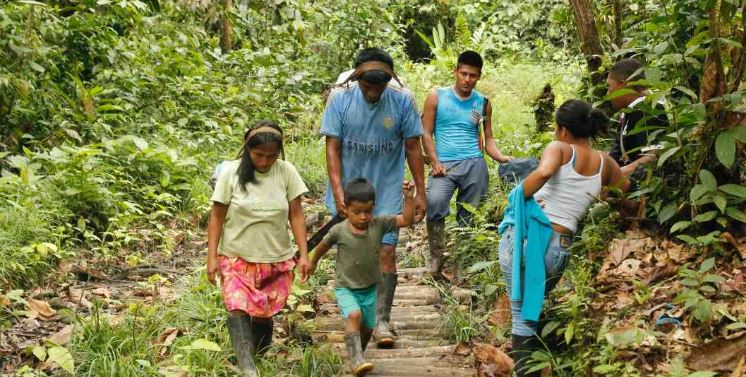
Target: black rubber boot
[
  {"x": 239, "y": 328},
  {"x": 523, "y": 347},
  {"x": 365, "y": 334},
  {"x": 385, "y": 338},
  {"x": 436, "y": 240},
  {"x": 358, "y": 365},
  {"x": 262, "y": 335}
]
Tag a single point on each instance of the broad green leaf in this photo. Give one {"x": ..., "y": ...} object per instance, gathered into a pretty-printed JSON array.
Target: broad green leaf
[
  {"x": 707, "y": 265},
  {"x": 740, "y": 133},
  {"x": 618, "y": 93},
  {"x": 305, "y": 308},
  {"x": 688, "y": 239},
  {"x": 736, "y": 326},
  {"x": 681, "y": 225},
  {"x": 660, "y": 48},
  {"x": 697, "y": 192},
  {"x": 712, "y": 278},
  {"x": 708, "y": 180},
  {"x": 725, "y": 148},
  {"x": 687, "y": 91},
  {"x": 703, "y": 310},
  {"x": 666, "y": 213},
  {"x": 569, "y": 332},
  {"x": 550, "y": 328},
  {"x": 720, "y": 202},
  {"x": 666, "y": 155},
  {"x": 604, "y": 369},
  {"x": 736, "y": 214},
  {"x": 62, "y": 357},
  {"x": 36, "y": 67},
  {"x": 203, "y": 344},
  {"x": 702, "y": 374},
  {"x": 735, "y": 190},
  {"x": 705, "y": 217},
  {"x": 40, "y": 352},
  {"x": 490, "y": 289},
  {"x": 479, "y": 266},
  {"x": 140, "y": 143}
]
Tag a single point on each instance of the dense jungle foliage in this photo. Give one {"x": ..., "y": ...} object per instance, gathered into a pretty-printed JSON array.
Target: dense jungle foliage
[{"x": 113, "y": 114}]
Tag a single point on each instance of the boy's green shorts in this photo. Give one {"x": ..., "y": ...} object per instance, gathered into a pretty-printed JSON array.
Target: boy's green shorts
[{"x": 363, "y": 299}]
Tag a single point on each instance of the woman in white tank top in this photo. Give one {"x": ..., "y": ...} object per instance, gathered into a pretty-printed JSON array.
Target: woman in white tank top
[{"x": 569, "y": 179}]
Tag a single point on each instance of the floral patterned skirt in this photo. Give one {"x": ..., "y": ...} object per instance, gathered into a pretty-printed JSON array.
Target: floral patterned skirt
[{"x": 259, "y": 289}]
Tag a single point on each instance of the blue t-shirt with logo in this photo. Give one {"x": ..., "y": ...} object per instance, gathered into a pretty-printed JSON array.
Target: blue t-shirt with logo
[
  {"x": 457, "y": 122},
  {"x": 372, "y": 137}
]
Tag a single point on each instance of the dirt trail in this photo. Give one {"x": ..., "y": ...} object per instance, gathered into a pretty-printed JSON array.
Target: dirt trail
[{"x": 420, "y": 350}]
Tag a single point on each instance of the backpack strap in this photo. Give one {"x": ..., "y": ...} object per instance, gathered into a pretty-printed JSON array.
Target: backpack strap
[{"x": 484, "y": 124}]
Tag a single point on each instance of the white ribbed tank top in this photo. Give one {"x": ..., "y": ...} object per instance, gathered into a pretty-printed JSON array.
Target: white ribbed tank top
[{"x": 568, "y": 194}]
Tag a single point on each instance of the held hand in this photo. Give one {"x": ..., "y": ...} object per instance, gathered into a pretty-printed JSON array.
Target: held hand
[
  {"x": 341, "y": 207},
  {"x": 420, "y": 207},
  {"x": 408, "y": 189},
  {"x": 311, "y": 269},
  {"x": 438, "y": 170},
  {"x": 303, "y": 267},
  {"x": 212, "y": 267},
  {"x": 505, "y": 159}
]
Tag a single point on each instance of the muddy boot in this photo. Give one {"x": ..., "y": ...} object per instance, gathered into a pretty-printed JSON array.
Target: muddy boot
[
  {"x": 384, "y": 336},
  {"x": 358, "y": 365},
  {"x": 262, "y": 335},
  {"x": 523, "y": 347},
  {"x": 437, "y": 244},
  {"x": 365, "y": 334},
  {"x": 239, "y": 328}
]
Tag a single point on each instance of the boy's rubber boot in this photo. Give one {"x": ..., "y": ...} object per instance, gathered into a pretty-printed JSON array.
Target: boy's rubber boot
[
  {"x": 385, "y": 338},
  {"x": 365, "y": 334},
  {"x": 436, "y": 240},
  {"x": 239, "y": 328},
  {"x": 523, "y": 347},
  {"x": 262, "y": 335},
  {"x": 358, "y": 365}
]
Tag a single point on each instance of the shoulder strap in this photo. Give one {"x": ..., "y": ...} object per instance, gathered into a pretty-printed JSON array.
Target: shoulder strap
[
  {"x": 601, "y": 165},
  {"x": 484, "y": 122}
]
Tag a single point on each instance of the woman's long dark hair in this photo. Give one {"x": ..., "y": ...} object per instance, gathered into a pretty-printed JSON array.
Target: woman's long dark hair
[
  {"x": 246, "y": 173},
  {"x": 581, "y": 119}
]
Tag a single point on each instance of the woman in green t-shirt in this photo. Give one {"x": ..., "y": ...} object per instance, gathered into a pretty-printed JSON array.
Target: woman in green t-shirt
[{"x": 257, "y": 199}]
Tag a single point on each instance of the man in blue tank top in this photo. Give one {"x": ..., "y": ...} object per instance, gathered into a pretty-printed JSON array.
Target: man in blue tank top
[
  {"x": 451, "y": 121},
  {"x": 370, "y": 126}
]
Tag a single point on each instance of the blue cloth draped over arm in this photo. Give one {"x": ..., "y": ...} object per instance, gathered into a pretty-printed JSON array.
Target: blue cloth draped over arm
[{"x": 533, "y": 230}]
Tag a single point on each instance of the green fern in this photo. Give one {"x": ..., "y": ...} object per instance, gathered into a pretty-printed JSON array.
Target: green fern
[{"x": 463, "y": 34}]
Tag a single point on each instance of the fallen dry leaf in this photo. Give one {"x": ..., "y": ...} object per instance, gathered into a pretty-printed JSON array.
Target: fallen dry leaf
[
  {"x": 500, "y": 315},
  {"x": 41, "y": 309},
  {"x": 166, "y": 339},
  {"x": 63, "y": 336},
  {"x": 77, "y": 297},
  {"x": 653, "y": 274},
  {"x": 496, "y": 361},
  {"x": 629, "y": 267},
  {"x": 739, "y": 371},
  {"x": 719, "y": 355},
  {"x": 462, "y": 349},
  {"x": 739, "y": 245},
  {"x": 102, "y": 291}
]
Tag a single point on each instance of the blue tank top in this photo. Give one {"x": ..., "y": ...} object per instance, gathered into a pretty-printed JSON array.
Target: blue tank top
[{"x": 457, "y": 123}]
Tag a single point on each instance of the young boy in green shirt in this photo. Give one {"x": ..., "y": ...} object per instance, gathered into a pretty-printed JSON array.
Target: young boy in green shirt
[{"x": 357, "y": 266}]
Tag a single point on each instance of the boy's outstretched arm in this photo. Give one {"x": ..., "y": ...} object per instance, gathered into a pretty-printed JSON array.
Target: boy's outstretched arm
[
  {"x": 407, "y": 216},
  {"x": 321, "y": 249}
]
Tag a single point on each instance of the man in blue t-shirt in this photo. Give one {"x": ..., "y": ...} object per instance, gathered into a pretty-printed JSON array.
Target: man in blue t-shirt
[
  {"x": 451, "y": 120},
  {"x": 370, "y": 126}
]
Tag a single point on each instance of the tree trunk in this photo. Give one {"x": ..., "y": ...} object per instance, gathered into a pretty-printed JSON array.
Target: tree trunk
[
  {"x": 226, "y": 29},
  {"x": 590, "y": 42},
  {"x": 617, "y": 6}
]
